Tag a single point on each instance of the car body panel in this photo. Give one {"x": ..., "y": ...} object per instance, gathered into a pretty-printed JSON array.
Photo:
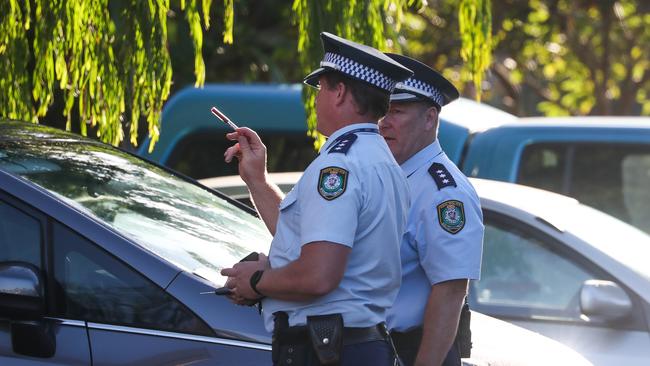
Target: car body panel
[
  {"x": 519, "y": 350},
  {"x": 602, "y": 346},
  {"x": 121, "y": 346}
]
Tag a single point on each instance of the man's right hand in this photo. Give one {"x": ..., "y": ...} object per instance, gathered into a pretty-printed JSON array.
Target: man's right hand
[{"x": 251, "y": 154}]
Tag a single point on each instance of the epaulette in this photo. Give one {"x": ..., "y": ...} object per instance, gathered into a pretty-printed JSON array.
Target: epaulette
[
  {"x": 442, "y": 176},
  {"x": 342, "y": 145}
]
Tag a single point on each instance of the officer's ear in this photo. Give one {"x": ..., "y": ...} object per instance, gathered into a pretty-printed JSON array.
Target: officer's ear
[
  {"x": 431, "y": 115},
  {"x": 342, "y": 92}
]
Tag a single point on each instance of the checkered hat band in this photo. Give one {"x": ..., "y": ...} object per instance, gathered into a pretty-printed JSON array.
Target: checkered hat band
[
  {"x": 357, "y": 70},
  {"x": 420, "y": 87}
]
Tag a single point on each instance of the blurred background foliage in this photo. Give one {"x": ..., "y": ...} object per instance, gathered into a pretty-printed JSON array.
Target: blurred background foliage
[
  {"x": 544, "y": 57},
  {"x": 550, "y": 57}
]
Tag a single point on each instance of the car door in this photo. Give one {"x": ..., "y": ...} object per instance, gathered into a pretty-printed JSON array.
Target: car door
[
  {"x": 26, "y": 341},
  {"x": 533, "y": 280},
  {"x": 131, "y": 321}
]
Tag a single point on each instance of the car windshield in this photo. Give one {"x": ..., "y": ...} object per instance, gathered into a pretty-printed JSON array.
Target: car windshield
[
  {"x": 625, "y": 243},
  {"x": 177, "y": 220}
]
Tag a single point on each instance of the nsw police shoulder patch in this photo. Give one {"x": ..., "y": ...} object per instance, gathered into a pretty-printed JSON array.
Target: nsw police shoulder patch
[
  {"x": 332, "y": 182},
  {"x": 451, "y": 216}
]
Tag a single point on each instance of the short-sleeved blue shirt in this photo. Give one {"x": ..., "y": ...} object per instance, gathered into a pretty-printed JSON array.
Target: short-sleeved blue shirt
[
  {"x": 354, "y": 194},
  {"x": 444, "y": 235}
]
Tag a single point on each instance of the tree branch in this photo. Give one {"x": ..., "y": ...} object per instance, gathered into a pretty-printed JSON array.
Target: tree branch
[{"x": 512, "y": 90}]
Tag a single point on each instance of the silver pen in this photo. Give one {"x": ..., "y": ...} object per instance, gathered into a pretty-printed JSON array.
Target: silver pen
[{"x": 224, "y": 118}]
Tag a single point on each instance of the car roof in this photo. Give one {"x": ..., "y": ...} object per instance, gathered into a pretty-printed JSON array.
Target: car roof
[
  {"x": 474, "y": 116},
  {"x": 31, "y": 132},
  {"x": 615, "y": 122},
  {"x": 600, "y": 237}
]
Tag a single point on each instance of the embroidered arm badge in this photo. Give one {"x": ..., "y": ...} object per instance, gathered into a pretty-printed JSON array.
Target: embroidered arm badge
[
  {"x": 332, "y": 182},
  {"x": 451, "y": 216}
]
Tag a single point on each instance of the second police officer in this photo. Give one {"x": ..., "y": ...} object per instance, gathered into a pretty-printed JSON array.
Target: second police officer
[
  {"x": 333, "y": 268},
  {"x": 442, "y": 246}
]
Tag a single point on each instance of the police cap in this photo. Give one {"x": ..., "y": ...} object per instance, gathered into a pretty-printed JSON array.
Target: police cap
[
  {"x": 425, "y": 84},
  {"x": 358, "y": 62}
]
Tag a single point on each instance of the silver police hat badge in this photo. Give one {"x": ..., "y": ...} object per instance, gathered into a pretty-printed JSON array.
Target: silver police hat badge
[
  {"x": 358, "y": 62},
  {"x": 425, "y": 84}
]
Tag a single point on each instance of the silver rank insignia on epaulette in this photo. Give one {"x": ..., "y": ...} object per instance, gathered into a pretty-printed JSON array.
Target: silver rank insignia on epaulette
[
  {"x": 343, "y": 144},
  {"x": 442, "y": 176}
]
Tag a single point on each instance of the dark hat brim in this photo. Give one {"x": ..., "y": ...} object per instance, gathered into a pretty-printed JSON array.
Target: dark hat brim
[
  {"x": 398, "y": 96},
  {"x": 312, "y": 78},
  {"x": 427, "y": 75}
]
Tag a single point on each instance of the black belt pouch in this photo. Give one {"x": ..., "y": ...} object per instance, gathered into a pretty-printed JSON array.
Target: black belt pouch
[{"x": 326, "y": 335}]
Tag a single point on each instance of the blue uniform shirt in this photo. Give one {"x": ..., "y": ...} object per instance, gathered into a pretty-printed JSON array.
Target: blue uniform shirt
[
  {"x": 352, "y": 194},
  {"x": 444, "y": 236}
]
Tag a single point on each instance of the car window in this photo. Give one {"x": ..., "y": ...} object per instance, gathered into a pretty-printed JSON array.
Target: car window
[
  {"x": 610, "y": 177},
  {"x": 200, "y": 154},
  {"x": 94, "y": 286},
  {"x": 182, "y": 222},
  {"x": 522, "y": 275},
  {"x": 20, "y": 236},
  {"x": 542, "y": 166}
]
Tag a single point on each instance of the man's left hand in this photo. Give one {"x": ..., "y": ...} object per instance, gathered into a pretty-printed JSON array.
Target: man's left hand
[{"x": 239, "y": 277}]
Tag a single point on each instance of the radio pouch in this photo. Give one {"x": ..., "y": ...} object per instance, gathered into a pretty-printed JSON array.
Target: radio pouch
[{"x": 326, "y": 335}]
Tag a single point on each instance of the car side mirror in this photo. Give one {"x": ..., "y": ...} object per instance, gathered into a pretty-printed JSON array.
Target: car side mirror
[
  {"x": 21, "y": 291},
  {"x": 604, "y": 301}
]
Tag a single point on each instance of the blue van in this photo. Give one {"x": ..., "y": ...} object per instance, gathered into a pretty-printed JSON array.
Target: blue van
[
  {"x": 603, "y": 162},
  {"x": 192, "y": 140}
]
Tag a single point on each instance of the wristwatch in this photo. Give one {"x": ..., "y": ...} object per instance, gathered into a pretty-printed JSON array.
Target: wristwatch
[{"x": 255, "y": 279}]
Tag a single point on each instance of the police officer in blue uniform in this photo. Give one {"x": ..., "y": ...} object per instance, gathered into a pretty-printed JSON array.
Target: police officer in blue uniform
[
  {"x": 333, "y": 268},
  {"x": 442, "y": 247}
]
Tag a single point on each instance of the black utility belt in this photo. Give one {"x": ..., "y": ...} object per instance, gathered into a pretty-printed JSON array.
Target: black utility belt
[
  {"x": 351, "y": 335},
  {"x": 323, "y": 337}
]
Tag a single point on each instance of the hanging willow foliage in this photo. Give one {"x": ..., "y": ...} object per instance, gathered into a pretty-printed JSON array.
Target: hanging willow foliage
[
  {"x": 475, "y": 22},
  {"x": 110, "y": 63}
]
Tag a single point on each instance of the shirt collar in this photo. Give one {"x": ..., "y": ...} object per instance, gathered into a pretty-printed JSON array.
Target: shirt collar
[
  {"x": 422, "y": 157},
  {"x": 342, "y": 131}
]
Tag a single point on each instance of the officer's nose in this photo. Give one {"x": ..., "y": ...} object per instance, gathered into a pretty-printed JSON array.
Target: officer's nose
[{"x": 384, "y": 124}]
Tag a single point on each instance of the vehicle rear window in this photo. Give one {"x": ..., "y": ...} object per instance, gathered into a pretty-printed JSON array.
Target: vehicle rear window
[
  {"x": 613, "y": 178},
  {"x": 200, "y": 155}
]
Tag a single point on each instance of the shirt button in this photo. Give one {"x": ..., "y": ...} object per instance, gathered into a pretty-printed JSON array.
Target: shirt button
[
  {"x": 290, "y": 350},
  {"x": 289, "y": 361}
]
